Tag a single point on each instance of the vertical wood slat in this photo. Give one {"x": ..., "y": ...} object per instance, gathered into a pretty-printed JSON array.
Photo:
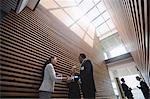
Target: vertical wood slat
[{"x": 131, "y": 19}]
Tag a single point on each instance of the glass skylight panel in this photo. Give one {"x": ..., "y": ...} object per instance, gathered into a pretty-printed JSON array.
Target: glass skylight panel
[
  {"x": 48, "y": 4},
  {"x": 103, "y": 29},
  {"x": 86, "y": 5},
  {"x": 113, "y": 31},
  {"x": 66, "y": 3},
  {"x": 93, "y": 13},
  {"x": 88, "y": 16},
  {"x": 78, "y": 1},
  {"x": 106, "y": 15},
  {"x": 62, "y": 16},
  {"x": 101, "y": 7},
  {"x": 74, "y": 12},
  {"x": 97, "y": 34},
  {"x": 84, "y": 22},
  {"x": 76, "y": 29},
  {"x": 110, "y": 24},
  {"x": 98, "y": 21},
  {"x": 91, "y": 31},
  {"x": 96, "y": 1}
]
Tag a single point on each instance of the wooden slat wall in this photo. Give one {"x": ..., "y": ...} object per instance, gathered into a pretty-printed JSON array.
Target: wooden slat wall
[
  {"x": 131, "y": 18},
  {"x": 26, "y": 42},
  {"x": 7, "y": 5}
]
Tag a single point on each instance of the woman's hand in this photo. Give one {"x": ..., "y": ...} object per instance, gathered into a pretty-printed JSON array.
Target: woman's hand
[
  {"x": 64, "y": 78},
  {"x": 59, "y": 75},
  {"x": 69, "y": 78}
]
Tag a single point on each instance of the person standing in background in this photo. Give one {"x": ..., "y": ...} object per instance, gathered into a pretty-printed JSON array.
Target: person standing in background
[
  {"x": 126, "y": 89},
  {"x": 144, "y": 88},
  {"x": 87, "y": 79},
  {"x": 49, "y": 79},
  {"x": 73, "y": 84}
]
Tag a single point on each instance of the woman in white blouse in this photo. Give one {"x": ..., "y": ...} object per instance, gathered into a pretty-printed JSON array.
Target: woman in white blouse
[{"x": 49, "y": 79}]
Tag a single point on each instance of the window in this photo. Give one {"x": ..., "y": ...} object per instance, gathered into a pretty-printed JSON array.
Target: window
[
  {"x": 103, "y": 29},
  {"x": 106, "y": 16},
  {"x": 98, "y": 21},
  {"x": 110, "y": 24},
  {"x": 86, "y": 5},
  {"x": 93, "y": 14},
  {"x": 119, "y": 50},
  {"x": 101, "y": 7}
]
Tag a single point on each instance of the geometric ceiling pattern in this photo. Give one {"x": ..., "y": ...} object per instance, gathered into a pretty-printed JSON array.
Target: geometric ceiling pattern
[{"x": 84, "y": 17}]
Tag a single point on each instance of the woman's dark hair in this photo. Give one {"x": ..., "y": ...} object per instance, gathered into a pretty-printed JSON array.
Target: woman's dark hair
[{"x": 47, "y": 62}]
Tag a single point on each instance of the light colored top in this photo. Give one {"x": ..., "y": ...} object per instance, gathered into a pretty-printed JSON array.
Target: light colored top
[{"x": 49, "y": 79}]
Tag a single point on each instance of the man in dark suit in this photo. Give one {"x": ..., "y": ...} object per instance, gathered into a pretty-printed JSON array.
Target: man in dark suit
[
  {"x": 126, "y": 89},
  {"x": 86, "y": 75},
  {"x": 144, "y": 88}
]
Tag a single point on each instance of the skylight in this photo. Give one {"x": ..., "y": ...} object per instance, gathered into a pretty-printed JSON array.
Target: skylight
[{"x": 82, "y": 16}]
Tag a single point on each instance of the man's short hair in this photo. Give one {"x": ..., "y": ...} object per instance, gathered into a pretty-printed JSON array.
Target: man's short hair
[
  {"x": 137, "y": 77},
  {"x": 83, "y": 55},
  {"x": 122, "y": 79}
]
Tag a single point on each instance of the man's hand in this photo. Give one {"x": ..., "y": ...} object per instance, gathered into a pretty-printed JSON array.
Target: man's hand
[
  {"x": 64, "y": 78},
  {"x": 130, "y": 88},
  {"x": 59, "y": 75},
  {"x": 138, "y": 87}
]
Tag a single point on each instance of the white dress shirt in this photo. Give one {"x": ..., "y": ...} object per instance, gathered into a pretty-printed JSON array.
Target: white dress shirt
[
  {"x": 49, "y": 79},
  {"x": 82, "y": 68}
]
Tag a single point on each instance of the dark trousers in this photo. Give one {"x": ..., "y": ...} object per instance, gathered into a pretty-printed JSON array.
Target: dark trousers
[
  {"x": 88, "y": 94},
  {"x": 146, "y": 96},
  {"x": 130, "y": 97},
  {"x": 45, "y": 95},
  {"x": 74, "y": 90}
]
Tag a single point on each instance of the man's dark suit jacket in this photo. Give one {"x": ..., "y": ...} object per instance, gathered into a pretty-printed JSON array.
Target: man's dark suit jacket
[
  {"x": 145, "y": 90},
  {"x": 87, "y": 80},
  {"x": 127, "y": 91}
]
